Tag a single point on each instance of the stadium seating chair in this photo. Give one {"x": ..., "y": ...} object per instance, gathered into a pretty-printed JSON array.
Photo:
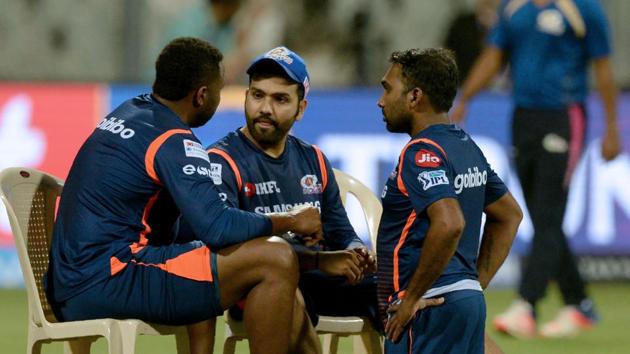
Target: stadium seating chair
[
  {"x": 365, "y": 338},
  {"x": 30, "y": 197}
]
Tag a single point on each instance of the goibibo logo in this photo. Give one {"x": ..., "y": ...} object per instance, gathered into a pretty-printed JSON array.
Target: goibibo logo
[
  {"x": 116, "y": 126},
  {"x": 426, "y": 158},
  {"x": 472, "y": 179}
]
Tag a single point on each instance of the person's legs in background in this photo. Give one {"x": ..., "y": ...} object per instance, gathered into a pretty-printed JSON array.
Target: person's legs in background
[{"x": 542, "y": 148}]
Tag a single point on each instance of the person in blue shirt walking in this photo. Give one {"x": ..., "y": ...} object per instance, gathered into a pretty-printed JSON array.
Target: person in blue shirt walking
[
  {"x": 549, "y": 46},
  {"x": 113, "y": 252},
  {"x": 429, "y": 250}
]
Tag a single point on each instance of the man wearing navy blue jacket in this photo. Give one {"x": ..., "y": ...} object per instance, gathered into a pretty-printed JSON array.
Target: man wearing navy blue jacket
[
  {"x": 429, "y": 249},
  {"x": 262, "y": 168},
  {"x": 113, "y": 253}
]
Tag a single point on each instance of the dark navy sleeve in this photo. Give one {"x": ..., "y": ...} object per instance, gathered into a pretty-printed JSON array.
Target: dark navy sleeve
[
  {"x": 183, "y": 167},
  {"x": 427, "y": 176},
  {"x": 597, "y": 31},
  {"x": 224, "y": 180},
  {"x": 495, "y": 188},
  {"x": 338, "y": 232}
]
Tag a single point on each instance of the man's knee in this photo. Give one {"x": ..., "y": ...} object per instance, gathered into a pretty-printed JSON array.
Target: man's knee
[{"x": 280, "y": 257}]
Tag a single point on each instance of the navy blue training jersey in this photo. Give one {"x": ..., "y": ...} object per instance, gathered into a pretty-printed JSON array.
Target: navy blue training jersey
[
  {"x": 249, "y": 179},
  {"x": 440, "y": 162},
  {"x": 135, "y": 175}
]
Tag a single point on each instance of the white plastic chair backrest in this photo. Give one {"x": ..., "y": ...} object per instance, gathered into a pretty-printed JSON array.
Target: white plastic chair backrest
[
  {"x": 30, "y": 197},
  {"x": 370, "y": 204}
]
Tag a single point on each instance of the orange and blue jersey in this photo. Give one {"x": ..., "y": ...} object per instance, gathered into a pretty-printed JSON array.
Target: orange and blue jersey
[
  {"x": 442, "y": 161},
  {"x": 249, "y": 179},
  {"x": 139, "y": 170}
]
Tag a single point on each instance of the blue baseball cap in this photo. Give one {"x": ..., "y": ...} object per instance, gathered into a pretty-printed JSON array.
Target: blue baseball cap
[{"x": 292, "y": 64}]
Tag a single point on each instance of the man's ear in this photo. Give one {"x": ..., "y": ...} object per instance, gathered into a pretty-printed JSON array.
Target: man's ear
[
  {"x": 301, "y": 108},
  {"x": 414, "y": 97},
  {"x": 200, "y": 96}
]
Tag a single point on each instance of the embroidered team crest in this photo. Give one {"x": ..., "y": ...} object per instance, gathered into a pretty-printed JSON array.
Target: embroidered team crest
[
  {"x": 427, "y": 158},
  {"x": 431, "y": 179},
  {"x": 310, "y": 185},
  {"x": 279, "y": 53}
]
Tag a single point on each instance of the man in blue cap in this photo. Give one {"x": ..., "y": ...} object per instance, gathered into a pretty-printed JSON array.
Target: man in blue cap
[{"x": 261, "y": 168}]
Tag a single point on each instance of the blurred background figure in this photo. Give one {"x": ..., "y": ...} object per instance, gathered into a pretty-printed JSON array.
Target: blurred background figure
[
  {"x": 467, "y": 32},
  {"x": 239, "y": 28},
  {"x": 549, "y": 46},
  {"x": 116, "y": 41},
  {"x": 331, "y": 34}
]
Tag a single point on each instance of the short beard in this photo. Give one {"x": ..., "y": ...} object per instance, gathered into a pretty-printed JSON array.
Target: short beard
[
  {"x": 400, "y": 125},
  {"x": 269, "y": 139},
  {"x": 201, "y": 118},
  {"x": 265, "y": 138}
]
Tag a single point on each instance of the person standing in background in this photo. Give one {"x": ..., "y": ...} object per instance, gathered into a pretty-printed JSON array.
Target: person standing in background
[
  {"x": 549, "y": 46},
  {"x": 238, "y": 28},
  {"x": 467, "y": 33}
]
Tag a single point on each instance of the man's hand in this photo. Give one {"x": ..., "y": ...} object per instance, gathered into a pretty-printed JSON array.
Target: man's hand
[
  {"x": 307, "y": 223},
  {"x": 346, "y": 263},
  {"x": 368, "y": 260},
  {"x": 400, "y": 313}
]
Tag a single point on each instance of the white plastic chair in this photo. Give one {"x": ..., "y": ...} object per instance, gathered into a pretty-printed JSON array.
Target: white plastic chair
[
  {"x": 30, "y": 197},
  {"x": 366, "y": 338}
]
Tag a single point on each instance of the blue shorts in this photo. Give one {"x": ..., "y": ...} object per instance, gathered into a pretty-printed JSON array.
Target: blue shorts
[
  {"x": 149, "y": 289},
  {"x": 457, "y": 326}
]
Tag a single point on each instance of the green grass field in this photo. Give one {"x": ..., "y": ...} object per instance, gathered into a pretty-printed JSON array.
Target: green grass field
[{"x": 611, "y": 336}]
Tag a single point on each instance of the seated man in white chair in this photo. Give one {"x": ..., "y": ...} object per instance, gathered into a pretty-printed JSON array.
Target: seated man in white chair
[
  {"x": 261, "y": 168},
  {"x": 112, "y": 253}
]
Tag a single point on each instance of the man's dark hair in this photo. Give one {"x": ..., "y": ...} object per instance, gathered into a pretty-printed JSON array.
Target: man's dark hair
[
  {"x": 183, "y": 65},
  {"x": 267, "y": 69},
  {"x": 433, "y": 70}
]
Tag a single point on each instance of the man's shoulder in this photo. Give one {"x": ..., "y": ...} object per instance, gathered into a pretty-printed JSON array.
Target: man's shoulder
[
  {"x": 229, "y": 143},
  {"x": 294, "y": 142},
  {"x": 145, "y": 114}
]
